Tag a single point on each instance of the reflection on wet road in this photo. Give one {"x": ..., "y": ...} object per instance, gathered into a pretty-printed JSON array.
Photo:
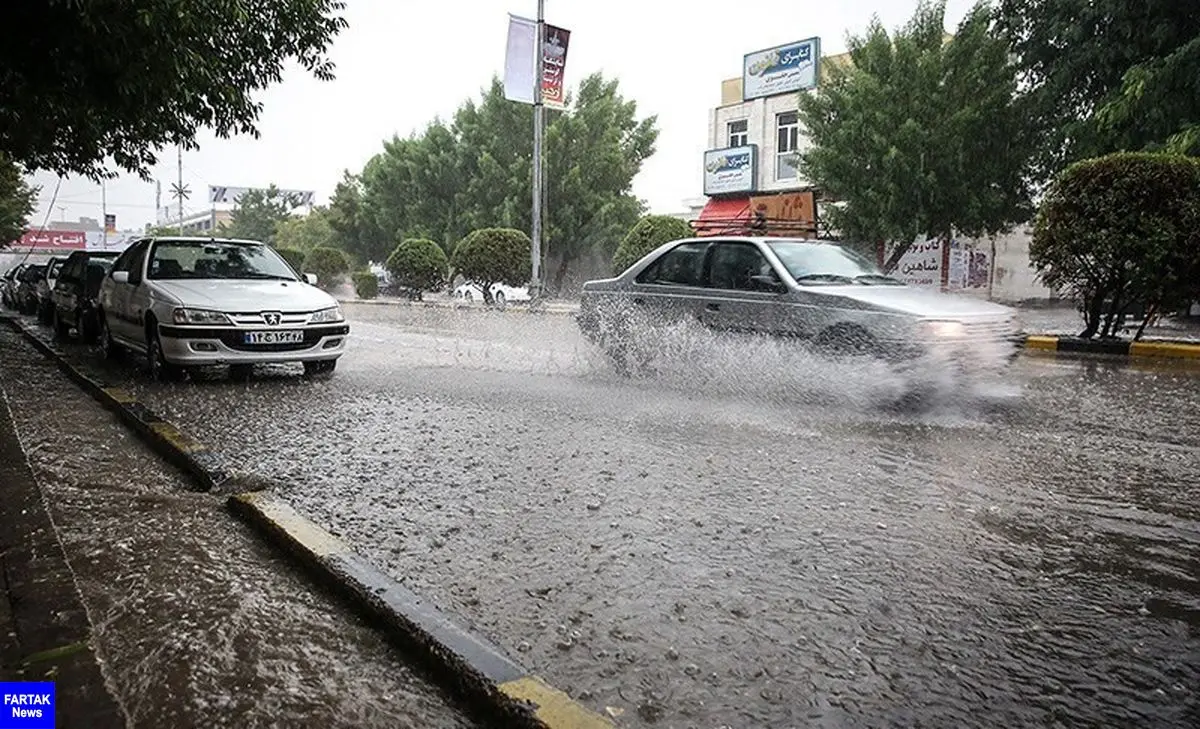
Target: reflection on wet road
[
  {"x": 197, "y": 623},
  {"x": 741, "y": 539}
]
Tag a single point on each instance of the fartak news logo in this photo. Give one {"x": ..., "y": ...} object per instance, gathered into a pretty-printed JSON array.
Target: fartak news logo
[{"x": 27, "y": 705}]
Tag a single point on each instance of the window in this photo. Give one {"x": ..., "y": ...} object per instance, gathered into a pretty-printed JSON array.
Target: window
[
  {"x": 177, "y": 259},
  {"x": 125, "y": 261},
  {"x": 738, "y": 133},
  {"x": 813, "y": 263},
  {"x": 734, "y": 265},
  {"x": 787, "y": 143},
  {"x": 680, "y": 266}
]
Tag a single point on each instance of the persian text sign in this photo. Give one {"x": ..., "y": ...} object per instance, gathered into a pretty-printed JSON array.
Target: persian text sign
[
  {"x": 27, "y": 705},
  {"x": 730, "y": 170},
  {"x": 788, "y": 207},
  {"x": 921, "y": 264},
  {"x": 52, "y": 240},
  {"x": 781, "y": 70},
  {"x": 554, "y": 67}
]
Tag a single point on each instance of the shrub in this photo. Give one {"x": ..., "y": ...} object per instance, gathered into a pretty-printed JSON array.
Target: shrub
[
  {"x": 329, "y": 264},
  {"x": 418, "y": 264},
  {"x": 366, "y": 284},
  {"x": 293, "y": 256},
  {"x": 649, "y": 233},
  {"x": 494, "y": 255},
  {"x": 1121, "y": 231}
]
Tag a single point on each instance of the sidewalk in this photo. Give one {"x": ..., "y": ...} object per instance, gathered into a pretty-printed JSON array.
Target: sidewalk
[{"x": 45, "y": 634}]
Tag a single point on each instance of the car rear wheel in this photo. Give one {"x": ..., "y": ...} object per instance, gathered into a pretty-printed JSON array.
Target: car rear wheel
[
  {"x": 61, "y": 328},
  {"x": 498, "y": 297},
  {"x": 320, "y": 367},
  {"x": 108, "y": 348},
  {"x": 86, "y": 325}
]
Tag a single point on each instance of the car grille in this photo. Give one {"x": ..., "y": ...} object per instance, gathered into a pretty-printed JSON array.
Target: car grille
[{"x": 255, "y": 319}]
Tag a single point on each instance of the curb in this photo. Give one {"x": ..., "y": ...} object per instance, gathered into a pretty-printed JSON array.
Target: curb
[
  {"x": 454, "y": 306},
  {"x": 206, "y": 468},
  {"x": 472, "y": 666},
  {"x": 1116, "y": 347}
]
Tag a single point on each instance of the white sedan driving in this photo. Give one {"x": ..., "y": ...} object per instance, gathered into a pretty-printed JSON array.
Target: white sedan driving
[{"x": 191, "y": 302}]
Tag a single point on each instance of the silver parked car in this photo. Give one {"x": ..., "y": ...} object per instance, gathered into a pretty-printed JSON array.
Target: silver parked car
[
  {"x": 817, "y": 291},
  {"x": 186, "y": 302}
]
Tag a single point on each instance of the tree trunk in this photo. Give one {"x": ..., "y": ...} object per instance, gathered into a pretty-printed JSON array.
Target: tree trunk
[
  {"x": 486, "y": 291},
  {"x": 894, "y": 260},
  {"x": 1091, "y": 315},
  {"x": 1151, "y": 312},
  {"x": 560, "y": 273}
]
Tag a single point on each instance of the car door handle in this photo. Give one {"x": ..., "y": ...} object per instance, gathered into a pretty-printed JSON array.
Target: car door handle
[{"x": 712, "y": 307}]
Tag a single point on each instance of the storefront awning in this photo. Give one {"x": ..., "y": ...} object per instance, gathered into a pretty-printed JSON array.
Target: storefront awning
[{"x": 723, "y": 216}]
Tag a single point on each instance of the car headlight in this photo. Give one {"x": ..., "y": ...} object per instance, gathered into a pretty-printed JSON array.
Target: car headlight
[
  {"x": 184, "y": 315},
  {"x": 944, "y": 329},
  {"x": 325, "y": 316}
]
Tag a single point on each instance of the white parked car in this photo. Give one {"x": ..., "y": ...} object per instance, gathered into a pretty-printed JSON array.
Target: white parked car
[
  {"x": 188, "y": 302},
  {"x": 501, "y": 294}
]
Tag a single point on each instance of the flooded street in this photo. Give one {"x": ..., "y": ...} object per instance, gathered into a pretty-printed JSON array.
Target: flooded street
[
  {"x": 196, "y": 622},
  {"x": 740, "y": 540}
]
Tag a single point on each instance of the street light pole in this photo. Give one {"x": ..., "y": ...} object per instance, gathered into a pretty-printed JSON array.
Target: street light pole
[{"x": 535, "y": 287}]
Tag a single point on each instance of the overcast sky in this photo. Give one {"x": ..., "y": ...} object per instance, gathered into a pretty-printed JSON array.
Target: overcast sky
[{"x": 402, "y": 63}]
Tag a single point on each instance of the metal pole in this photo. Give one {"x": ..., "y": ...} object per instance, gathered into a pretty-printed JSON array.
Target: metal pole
[
  {"x": 179, "y": 169},
  {"x": 535, "y": 287},
  {"x": 104, "y": 212}
]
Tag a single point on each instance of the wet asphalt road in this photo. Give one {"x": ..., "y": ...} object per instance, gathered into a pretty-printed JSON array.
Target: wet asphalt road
[
  {"x": 197, "y": 623},
  {"x": 743, "y": 539}
]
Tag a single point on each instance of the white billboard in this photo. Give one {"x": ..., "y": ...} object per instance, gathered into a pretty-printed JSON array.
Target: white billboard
[
  {"x": 730, "y": 170},
  {"x": 231, "y": 194},
  {"x": 781, "y": 70}
]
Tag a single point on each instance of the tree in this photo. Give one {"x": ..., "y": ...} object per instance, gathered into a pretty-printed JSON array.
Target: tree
[
  {"x": 919, "y": 136},
  {"x": 1119, "y": 231},
  {"x": 16, "y": 202},
  {"x": 305, "y": 232},
  {"x": 86, "y": 82},
  {"x": 258, "y": 213},
  {"x": 649, "y": 233},
  {"x": 493, "y": 255},
  {"x": 475, "y": 172},
  {"x": 1104, "y": 75},
  {"x": 329, "y": 265},
  {"x": 354, "y": 231},
  {"x": 418, "y": 264},
  {"x": 294, "y": 256}
]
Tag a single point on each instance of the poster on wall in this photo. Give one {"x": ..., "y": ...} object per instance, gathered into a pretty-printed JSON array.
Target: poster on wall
[
  {"x": 921, "y": 264},
  {"x": 781, "y": 70}
]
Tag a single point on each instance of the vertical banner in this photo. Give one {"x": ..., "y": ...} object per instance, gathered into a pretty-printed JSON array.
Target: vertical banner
[
  {"x": 554, "y": 67},
  {"x": 520, "y": 65},
  {"x": 110, "y": 223}
]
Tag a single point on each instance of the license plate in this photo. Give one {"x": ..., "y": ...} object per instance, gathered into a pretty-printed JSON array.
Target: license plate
[{"x": 288, "y": 337}]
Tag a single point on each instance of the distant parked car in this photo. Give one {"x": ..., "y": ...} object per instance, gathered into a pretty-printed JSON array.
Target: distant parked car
[
  {"x": 76, "y": 296},
  {"x": 501, "y": 294},
  {"x": 45, "y": 287},
  {"x": 26, "y": 293},
  {"x": 815, "y": 292},
  {"x": 190, "y": 302},
  {"x": 8, "y": 286}
]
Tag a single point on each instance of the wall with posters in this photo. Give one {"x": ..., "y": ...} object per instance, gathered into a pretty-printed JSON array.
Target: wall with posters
[{"x": 996, "y": 268}]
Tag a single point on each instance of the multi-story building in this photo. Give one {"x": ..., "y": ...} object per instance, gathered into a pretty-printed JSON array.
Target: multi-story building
[{"x": 208, "y": 221}]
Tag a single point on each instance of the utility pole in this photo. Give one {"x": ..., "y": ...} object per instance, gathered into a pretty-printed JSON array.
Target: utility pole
[
  {"x": 179, "y": 182},
  {"x": 535, "y": 287},
  {"x": 104, "y": 213}
]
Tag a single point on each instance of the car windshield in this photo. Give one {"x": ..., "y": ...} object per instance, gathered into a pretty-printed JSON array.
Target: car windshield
[
  {"x": 33, "y": 273},
  {"x": 217, "y": 259},
  {"x": 810, "y": 262},
  {"x": 55, "y": 267}
]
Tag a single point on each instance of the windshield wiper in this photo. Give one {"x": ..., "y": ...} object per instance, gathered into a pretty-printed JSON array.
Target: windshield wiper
[
  {"x": 264, "y": 276},
  {"x": 878, "y": 278},
  {"x": 824, "y": 277}
]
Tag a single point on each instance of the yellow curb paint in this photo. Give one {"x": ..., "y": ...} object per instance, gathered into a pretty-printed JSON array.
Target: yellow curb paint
[
  {"x": 555, "y": 709},
  {"x": 1050, "y": 343},
  {"x": 171, "y": 434},
  {"x": 283, "y": 517},
  {"x": 1173, "y": 350},
  {"x": 122, "y": 396}
]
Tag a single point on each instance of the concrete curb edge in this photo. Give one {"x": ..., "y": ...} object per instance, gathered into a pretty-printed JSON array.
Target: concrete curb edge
[
  {"x": 473, "y": 667},
  {"x": 206, "y": 468},
  {"x": 452, "y": 306},
  {"x": 1116, "y": 347}
]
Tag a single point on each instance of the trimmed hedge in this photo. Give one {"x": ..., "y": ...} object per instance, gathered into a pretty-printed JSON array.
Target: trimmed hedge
[{"x": 418, "y": 264}]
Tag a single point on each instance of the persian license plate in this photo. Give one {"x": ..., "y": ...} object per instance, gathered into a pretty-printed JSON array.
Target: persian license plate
[{"x": 284, "y": 337}]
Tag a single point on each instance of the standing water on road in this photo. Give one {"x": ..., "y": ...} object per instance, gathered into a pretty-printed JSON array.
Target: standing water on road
[{"x": 707, "y": 546}]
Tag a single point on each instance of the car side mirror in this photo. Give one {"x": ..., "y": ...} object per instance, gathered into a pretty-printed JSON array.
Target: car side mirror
[
  {"x": 120, "y": 276},
  {"x": 310, "y": 278},
  {"x": 767, "y": 282}
]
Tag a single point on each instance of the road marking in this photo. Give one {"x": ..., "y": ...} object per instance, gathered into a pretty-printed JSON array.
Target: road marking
[
  {"x": 281, "y": 516},
  {"x": 555, "y": 708}
]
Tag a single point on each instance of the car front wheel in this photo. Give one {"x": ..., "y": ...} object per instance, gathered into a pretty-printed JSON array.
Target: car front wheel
[
  {"x": 108, "y": 348},
  {"x": 61, "y": 328},
  {"x": 160, "y": 369}
]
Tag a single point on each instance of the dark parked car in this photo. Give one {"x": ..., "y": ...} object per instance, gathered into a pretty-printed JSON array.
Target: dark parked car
[
  {"x": 74, "y": 300},
  {"x": 8, "y": 286},
  {"x": 25, "y": 297},
  {"x": 45, "y": 286}
]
